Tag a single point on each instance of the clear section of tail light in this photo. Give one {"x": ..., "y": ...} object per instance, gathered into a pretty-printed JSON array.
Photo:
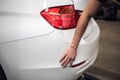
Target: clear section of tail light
[{"x": 61, "y": 17}]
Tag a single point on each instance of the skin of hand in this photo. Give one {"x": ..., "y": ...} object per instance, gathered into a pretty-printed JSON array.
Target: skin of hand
[
  {"x": 68, "y": 57},
  {"x": 70, "y": 54}
]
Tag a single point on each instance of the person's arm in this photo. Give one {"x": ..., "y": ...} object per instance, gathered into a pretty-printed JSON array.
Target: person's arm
[{"x": 90, "y": 10}]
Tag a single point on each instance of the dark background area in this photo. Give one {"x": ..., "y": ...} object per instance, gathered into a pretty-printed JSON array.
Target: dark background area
[{"x": 109, "y": 11}]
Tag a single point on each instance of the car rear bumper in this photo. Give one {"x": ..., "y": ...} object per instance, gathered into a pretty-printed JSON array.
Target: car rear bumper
[{"x": 55, "y": 72}]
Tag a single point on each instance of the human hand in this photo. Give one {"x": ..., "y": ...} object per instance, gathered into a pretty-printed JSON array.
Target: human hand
[{"x": 68, "y": 57}]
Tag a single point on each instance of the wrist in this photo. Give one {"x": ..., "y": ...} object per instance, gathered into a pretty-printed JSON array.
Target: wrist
[{"x": 73, "y": 46}]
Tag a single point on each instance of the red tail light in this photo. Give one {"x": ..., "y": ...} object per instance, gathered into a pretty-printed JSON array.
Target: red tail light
[{"x": 61, "y": 17}]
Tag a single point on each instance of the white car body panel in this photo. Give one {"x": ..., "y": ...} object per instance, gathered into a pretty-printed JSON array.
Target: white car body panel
[
  {"x": 30, "y": 48},
  {"x": 18, "y": 15}
]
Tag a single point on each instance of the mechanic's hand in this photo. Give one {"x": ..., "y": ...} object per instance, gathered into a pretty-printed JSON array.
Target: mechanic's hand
[{"x": 68, "y": 57}]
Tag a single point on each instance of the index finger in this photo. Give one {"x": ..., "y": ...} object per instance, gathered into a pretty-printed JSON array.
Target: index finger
[{"x": 63, "y": 57}]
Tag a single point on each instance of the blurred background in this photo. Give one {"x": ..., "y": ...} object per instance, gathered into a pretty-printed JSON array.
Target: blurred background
[
  {"x": 109, "y": 10},
  {"x": 107, "y": 65}
]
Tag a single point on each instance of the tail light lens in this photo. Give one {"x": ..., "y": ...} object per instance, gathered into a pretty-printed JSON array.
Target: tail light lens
[{"x": 61, "y": 17}]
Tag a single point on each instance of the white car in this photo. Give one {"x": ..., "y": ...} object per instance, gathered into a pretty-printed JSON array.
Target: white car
[{"x": 34, "y": 35}]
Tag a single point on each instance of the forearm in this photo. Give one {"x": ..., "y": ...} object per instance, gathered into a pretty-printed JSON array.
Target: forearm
[
  {"x": 90, "y": 10},
  {"x": 80, "y": 29}
]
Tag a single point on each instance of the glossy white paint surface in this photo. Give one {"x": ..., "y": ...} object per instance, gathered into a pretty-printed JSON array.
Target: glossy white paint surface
[{"x": 30, "y": 48}]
